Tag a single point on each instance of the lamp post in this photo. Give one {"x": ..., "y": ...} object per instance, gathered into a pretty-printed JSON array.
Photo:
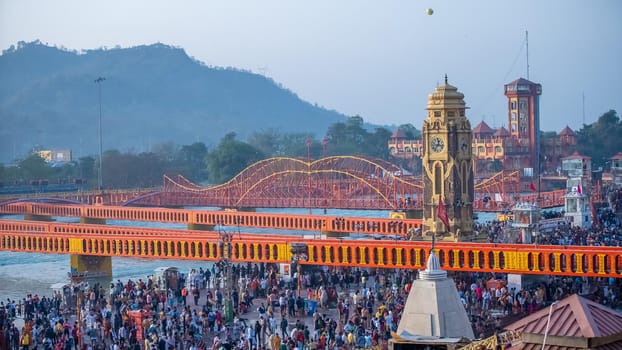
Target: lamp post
[
  {"x": 324, "y": 142},
  {"x": 225, "y": 239},
  {"x": 299, "y": 253},
  {"x": 548, "y": 322},
  {"x": 100, "y": 184},
  {"x": 309, "y": 167}
]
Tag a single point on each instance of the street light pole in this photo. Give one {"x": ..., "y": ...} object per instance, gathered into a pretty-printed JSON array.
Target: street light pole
[
  {"x": 299, "y": 254},
  {"x": 548, "y": 322},
  {"x": 309, "y": 167},
  {"x": 100, "y": 184},
  {"x": 225, "y": 241}
]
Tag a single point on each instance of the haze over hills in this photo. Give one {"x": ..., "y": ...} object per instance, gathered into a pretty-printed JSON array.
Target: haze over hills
[{"x": 152, "y": 94}]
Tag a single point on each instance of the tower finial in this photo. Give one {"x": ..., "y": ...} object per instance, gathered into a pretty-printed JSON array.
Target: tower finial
[
  {"x": 445, "y": 78},
  {"x": 433, "y": 242}
]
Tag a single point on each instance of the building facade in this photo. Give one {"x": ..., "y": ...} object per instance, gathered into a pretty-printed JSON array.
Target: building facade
[
  {"x": 523, "y": 147},
  {"x": 447, "y": 166},
  {"x": 511, "y": 148}
]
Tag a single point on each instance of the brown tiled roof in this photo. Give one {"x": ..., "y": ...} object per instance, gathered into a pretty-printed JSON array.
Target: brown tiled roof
[
  {"x": 576, "y": 155},
  {"x": 617, "y": 156},
  {"x": 531, "y": 346},
  {"x": 567, "y": 131},
  {"x": 521, "y": 81},
  {"x": 482, "y": 128},
  {"x": 502, "y": 132},
  {"x": 573, "y": 316},
  {"x": 399, "y": 134}
]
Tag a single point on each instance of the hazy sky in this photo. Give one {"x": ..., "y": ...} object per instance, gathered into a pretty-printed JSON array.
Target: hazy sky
[{"x": 378, "y": 59}]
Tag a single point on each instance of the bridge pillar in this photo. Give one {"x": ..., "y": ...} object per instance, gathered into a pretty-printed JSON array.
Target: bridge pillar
[
  {"x": 247, "y": 209},
  {"x": 37, "y": 217},
  {"x": 29, "y": 215},
  {"x": 407, "y": 214},
  {"x": 335, "y": 234},
  {"x": 200, "y": 227},
  {"x": 92, "y": 221},
  {"x": 414, "y": 214},
  {"x": 89, "y": 266}
]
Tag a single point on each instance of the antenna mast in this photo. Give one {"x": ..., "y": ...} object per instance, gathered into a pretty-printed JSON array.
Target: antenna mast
[
  {"x": 583, "y": 105},
  {"x": 527, "y": 45}
]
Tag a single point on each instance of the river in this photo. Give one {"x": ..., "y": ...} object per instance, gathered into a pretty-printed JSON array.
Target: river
[{"x": 22, "y": 273}]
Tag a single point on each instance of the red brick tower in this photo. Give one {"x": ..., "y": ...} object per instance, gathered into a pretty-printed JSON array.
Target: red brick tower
[{"x": 523, "y": 124}]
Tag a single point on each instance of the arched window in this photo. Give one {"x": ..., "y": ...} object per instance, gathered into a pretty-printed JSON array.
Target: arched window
[
  {"x": 438, "y": 178},
  {"x": 464, "y": 177}
]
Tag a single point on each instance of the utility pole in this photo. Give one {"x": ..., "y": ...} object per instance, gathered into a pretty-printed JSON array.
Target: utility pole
[
  {"x": 309, "y": 167},
  {"x": 225, "y": 243},
  {"x": 527, "y": 46},
  {"x": 100, "y": 184}
]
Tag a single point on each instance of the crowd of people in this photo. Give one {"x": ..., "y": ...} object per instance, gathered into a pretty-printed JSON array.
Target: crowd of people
[
  {"x": 336, "y": 309},
  {"x": 319, "y": 312},
  {"x": 606, "y": 229},
  {"x": 326, "y": 308}
]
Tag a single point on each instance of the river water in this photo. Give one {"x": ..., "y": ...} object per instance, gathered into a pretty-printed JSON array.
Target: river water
[{"x": 22, "y": 273}]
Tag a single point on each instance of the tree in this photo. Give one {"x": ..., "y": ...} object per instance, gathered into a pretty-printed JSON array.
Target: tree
[
  {"x": 378, "y": 146},
  {"x": 351, "y": 138},
  {"x": 295, "y": 145},
  {"x": 86, "y": 169},
  {"x": 34, "y": 167},
  {"x": 601, "y": 139},
  {"x": 268, "y": 141},
  {"x": 347, "y": 138},
  {"x": 165, "y": 150},
  {"x": 229, "y": 158},
  {"x": 412, "y": 133},
  {"x": 191, "y": 161},
  {"x": 127, "y": 170}
]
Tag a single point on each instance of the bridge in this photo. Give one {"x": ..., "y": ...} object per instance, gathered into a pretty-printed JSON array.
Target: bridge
[
  {"x": 340, "y": 182},
  {"x": 124, "y": 241},
  {"x": 333, "y": 182},
  {"x": 208, "y": 220}
]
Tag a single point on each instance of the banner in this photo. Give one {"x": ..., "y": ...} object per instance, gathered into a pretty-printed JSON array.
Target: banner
[{"x": 442, "y": 213}]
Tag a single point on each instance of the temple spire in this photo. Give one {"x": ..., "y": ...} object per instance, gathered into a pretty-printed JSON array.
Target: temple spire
[{"x": 445, "y": 78}]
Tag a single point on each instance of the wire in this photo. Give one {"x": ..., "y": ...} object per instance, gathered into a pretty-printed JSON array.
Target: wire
[{"x": 495, "y": 89}]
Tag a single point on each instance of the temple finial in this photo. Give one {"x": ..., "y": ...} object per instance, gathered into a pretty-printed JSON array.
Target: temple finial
[{"x": 445, "y": 78}]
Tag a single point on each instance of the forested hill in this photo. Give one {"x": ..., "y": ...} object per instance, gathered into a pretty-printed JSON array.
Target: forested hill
[{"x": 152, "y": 94}]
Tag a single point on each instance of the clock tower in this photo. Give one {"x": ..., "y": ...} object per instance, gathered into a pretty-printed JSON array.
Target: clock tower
[{"x": 447, "y": 166}]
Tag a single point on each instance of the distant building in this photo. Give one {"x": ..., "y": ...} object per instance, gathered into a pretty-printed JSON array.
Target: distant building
[
  {"x": 401, "y": 147},
  {"x": 579, "y": 168},
  {"x": 616, "y": 168},
  {"x": 55, "y": 156},
  {"x": 506, "y": 149},
  {"x": 523, "y": 124}
]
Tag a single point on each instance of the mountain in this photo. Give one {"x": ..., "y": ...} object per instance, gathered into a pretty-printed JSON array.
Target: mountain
[{"x": 152, "y": 94}]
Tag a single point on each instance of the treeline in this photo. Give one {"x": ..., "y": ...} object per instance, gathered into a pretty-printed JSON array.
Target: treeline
[{"x": 200, "y": 163}]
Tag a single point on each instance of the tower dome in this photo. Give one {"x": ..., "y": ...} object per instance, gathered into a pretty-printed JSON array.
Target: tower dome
[{"x": 446, "y": 96}]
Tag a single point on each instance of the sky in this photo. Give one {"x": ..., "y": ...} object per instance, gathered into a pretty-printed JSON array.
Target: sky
[{"x": 377, "y": 59}]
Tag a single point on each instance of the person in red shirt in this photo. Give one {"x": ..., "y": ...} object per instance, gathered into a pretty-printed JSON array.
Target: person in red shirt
[{"x": 300, "y": 339}]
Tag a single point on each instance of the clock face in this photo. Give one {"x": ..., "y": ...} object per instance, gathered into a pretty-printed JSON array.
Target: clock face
[
  {"x": 437, "y": 144},
  {"x": 464, "y": 146}
]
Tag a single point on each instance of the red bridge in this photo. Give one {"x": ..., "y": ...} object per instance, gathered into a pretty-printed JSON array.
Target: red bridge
[
  {"x": 343, "y": 182},
  {"x": 334, "y": 182}
]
